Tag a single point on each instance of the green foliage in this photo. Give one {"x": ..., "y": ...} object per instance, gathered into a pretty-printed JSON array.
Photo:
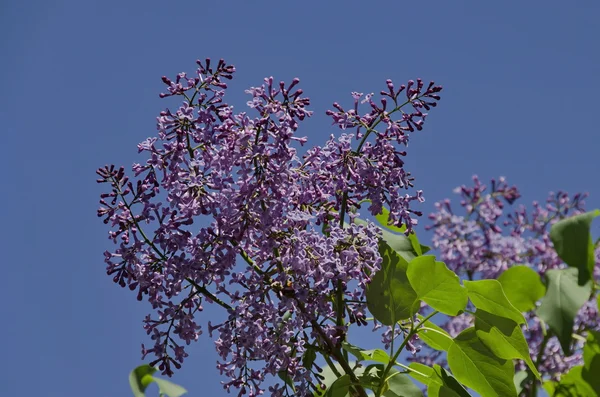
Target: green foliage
[
  {"x": 488, "y": 295},
  {"x": 573, "y": 243},
  {"x": 522, "y": 286},
  {"x": 141, "y": 377},
  {"x": 564, "y": 298},
  {"x": 417, "y": 248},
  {"x": 476, "y": 366},
  {"x": 400, "y": 385},
  {"x": 480, "y": 357},
  {"x": 520, "y": 379},
  {"x": 436, "y": 285},
  {"x": 390, "y": 297},
  {"x": 435, "y": 337},
  {"x": 503, "y": 337},
  {"x": 439, "y": 382}
]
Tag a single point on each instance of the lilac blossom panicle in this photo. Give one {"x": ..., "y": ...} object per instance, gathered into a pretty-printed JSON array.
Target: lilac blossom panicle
[
  {"x": 224, "y": 211},
  {"x": 487, "y": 237}
]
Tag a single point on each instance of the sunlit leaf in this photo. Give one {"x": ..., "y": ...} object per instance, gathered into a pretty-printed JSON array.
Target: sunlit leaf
[
  {"x": 488, "y": 295},
  {"x": 475, "y": 366},
  {"x": 520, "y": 380},
  {"x": 435, "y": 337},
  {"x": 503, "y": 337},
  {"x": 140, "y": 378},
  {"x": 438, "y": 381},
  {"x": 522, "y": 286},
  {"x": 437, "y": 285},
  {"x": 168, "y": 388}
]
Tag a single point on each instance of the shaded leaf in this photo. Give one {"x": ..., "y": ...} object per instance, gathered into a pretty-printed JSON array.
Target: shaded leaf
[
  {"x": 340, "y": 388},
  {"x": 573, "y": 385},
  {"x": 503, "y": 337},
  {"x": 437, "y": 285},
  {"x": 400, "y": 385},
  {"x": 475, "y": 366},
  {"x": 384, "y": 219},
  {"x": 390, "y": 297},
  {"x": 522, "y": 286},
  {"x": 488, "y": 295},
  {"x": 591, "y": 361},
  {"x": 573, "y": 243},
  {"x": 439, "y": 382},
  {"x": 564, "y": 297}
]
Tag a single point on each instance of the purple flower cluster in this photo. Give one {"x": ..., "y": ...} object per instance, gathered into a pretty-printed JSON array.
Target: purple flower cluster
[
  {"x": 486, "y": 238},
  {"x": 224, "y": 211}
]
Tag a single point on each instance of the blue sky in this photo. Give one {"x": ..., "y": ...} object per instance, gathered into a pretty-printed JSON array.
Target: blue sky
[{"x": 80, "y": 83}]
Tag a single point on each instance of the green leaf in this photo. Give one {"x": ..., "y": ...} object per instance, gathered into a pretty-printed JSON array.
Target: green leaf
[
  {"x": 573, "y": 243},
  {"x": 488, "y": 295},
  {"x": 591, "y": 360},
  {"x": 384, "y": 220},
  {"x": 400, "y": 385},
  {"x": 522, "y": 286},
  {"x": 520, "y": 379},
  {"x": 435, "y": 337},
  {"x": 169, "y": 388},
  {"x": 421, "y": 372},
  {"x": 503, "y": 337},
  {"x": 573, "y": 385},
  {"x": 340, "y": 388},
  {"x": 377, "y": 355},
  {"x": 550, "y": 387},
  {"x": 309, "y": 357},
  {"x": 445, "y": 385},
  {"x": 475, "y": 366},
  {"x": 437, "y": 285},
  {"x": 398, "y": 242},
  {"x": 140, "y": 378},
  {"x": 390, "y": 297},
  {"x": 564, "y": 297},
  {"x": 439, "y": 382},
  {"x": 284, "y": 376}
]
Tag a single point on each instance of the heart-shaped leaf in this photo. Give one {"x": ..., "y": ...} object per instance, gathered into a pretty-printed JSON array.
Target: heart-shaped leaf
[
  {"x": 503, "y": 337},
  {"x": 522, "y": 286},
  {"x": 475, "y": 366},
  {"x": 435, "y": 337},
  {"x": 437, "y": 285},
  {"x": 488, "y": 295},
  {"x": 390, "y": 297},
  {"x": 564, "y": 297}
]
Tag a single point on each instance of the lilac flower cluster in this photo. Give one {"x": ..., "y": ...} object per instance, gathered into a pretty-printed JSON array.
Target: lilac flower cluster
[
  {"x": 224, "y": 211},
  {"x": 487, "y": 239}
]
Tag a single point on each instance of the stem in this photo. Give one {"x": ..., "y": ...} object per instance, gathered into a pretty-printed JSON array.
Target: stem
[
  {"x": 534, "y": 385},
  {"x": 336, "y": 353},
  {"x": 413, "y": 331}
]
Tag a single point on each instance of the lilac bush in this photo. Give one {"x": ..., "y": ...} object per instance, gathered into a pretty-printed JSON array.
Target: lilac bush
[
  {"x": 490, "y": 234},
  {"x": 224, "y": 211}
]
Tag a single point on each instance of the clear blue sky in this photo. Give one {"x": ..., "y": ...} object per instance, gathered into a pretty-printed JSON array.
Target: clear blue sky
[{"x": 79, "y": 89}]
